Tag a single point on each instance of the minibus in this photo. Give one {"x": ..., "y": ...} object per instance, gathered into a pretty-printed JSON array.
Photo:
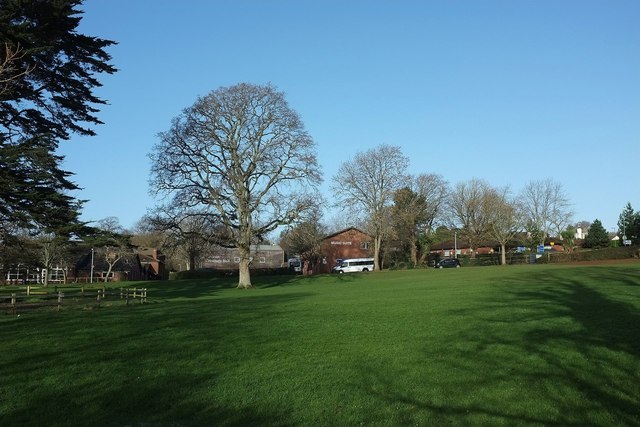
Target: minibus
[{"x": 351, "y": 265}]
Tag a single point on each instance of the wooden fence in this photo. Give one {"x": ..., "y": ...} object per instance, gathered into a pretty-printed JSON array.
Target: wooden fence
[{"x": 37, "y": 297}]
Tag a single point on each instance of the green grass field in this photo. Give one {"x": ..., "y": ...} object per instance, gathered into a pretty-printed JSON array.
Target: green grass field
[{"x": 528, "y": 345}]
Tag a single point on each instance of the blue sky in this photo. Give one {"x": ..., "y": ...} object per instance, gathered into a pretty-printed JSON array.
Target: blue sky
[{"x": 507, "y": 91}]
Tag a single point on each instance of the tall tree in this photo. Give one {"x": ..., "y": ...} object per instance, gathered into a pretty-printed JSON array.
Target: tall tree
[
  {"x": 369, "y": 182},
  {"x": 435, "y": 189},
  {"x": 243, "y": 153},
  {"x": 47, "y": 79},
  {"x": 629, "y": 225},
  {"x": 597, "y": 236},
  {"x": 409, "y": 215},
  {"x": 546, "y": 208},
  {"x": 470, "y": 210},
  {"x": 505, "y": 219}
]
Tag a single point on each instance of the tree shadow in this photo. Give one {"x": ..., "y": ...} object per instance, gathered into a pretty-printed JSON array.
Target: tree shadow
[
  {"x": 114, "y": 368},
  {"x": 554, "y": 348}
]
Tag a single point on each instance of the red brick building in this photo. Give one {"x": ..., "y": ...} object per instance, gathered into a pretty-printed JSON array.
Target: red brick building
[{"x": 348, "y": 243}]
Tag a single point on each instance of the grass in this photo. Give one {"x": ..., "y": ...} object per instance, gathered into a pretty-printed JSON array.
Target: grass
[{"x": 526, "y": 345}]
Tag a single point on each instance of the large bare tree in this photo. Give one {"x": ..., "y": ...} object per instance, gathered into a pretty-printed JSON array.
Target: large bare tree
[
  {"x": 505, "y": 218},
  {"x": 369, "y": 181},
  {"x": 546, "y": 208},
  {"x": 470, "y": 212},
  {"x": 242, "y": 152}
]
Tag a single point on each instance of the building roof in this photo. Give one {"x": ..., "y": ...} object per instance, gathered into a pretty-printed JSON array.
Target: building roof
[{"x": 344, "y": 231}]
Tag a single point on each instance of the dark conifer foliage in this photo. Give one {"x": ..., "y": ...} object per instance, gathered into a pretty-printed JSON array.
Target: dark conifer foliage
[
  {"x": 47, "y": 80},
  {"x": 597, "y": 237}
]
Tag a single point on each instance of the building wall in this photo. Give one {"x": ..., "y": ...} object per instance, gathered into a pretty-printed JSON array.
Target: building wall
[
  {"x": 264, "y": 256},
  {"x": 349, "y": 243}
]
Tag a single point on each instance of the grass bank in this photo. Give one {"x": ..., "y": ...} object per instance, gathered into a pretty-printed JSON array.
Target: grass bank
[{"x": 523, "y": 345}]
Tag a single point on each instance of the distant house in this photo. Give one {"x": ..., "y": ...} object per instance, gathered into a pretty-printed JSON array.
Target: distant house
[
  {"x": 137, "y": 264},
  {"x": 152, "y": 263},
  {"x": 448, "y": 248},
  {"x": 262, "y": 256},
  {"x": 348, "y": 243},
  {"x": 126, "y": 268}
]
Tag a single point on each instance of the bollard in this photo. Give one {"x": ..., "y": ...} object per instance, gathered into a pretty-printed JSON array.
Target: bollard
[
  {"x": 60, "y": 296},
  {"x": 28, "y": 290}
]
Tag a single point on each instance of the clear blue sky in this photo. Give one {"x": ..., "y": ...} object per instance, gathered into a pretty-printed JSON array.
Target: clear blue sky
[{"x": 508, "y": 91}]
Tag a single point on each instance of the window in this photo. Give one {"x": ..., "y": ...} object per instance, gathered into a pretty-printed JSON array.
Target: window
[
  {"x": 236, "y": 259},
  {"x": 365, "y": 245},
  {"x": 263, "y": 260}
]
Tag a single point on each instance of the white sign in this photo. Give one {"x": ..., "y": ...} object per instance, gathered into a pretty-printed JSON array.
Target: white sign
[{"x": 626, "y": 242}]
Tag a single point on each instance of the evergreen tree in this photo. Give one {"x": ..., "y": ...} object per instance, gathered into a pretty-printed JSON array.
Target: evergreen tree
[
  {"x": 47, "y": 78},
  {"x": 597, "y": 236},
  {"x": 629, "y": 225}
]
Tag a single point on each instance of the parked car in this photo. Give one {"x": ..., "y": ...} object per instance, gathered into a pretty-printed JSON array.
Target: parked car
[{"x": 448, "y": 263}]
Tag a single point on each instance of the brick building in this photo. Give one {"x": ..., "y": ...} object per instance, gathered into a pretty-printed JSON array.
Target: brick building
[{"x": 348, "y": 243}]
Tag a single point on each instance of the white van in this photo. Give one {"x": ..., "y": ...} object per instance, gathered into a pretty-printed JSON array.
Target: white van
[
  {"x": 351, "y": 265},
  {"x": 295, "y": 264}
]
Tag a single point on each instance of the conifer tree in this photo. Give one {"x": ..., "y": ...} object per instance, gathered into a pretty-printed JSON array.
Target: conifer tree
[
  {"x": 47, "y": 78},
  {"x": 597, "y": 236}
]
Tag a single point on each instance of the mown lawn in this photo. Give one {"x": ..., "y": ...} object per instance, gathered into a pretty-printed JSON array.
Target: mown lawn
[{"x": 528, "y": 345}]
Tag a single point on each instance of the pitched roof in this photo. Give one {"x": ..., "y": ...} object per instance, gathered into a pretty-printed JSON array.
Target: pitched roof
[{"x": 344, "y": 231}]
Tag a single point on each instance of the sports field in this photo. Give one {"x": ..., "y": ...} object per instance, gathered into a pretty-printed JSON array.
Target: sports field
[{"x": 521, "y": 345}]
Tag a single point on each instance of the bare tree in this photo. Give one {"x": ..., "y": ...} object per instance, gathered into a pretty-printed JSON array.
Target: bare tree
[
  {"x": 304, "y": 237},
  {"x": 50, "y": 250},
  {"x": 114, "y": 240},
  {"x": 468, "y": 205},
  {"x": 435, "y": 189},
  {"x": 505, "y": 218},
  {"x": 188, "y": 234},
  {"x": 409, "y": 215},
  {"x": 242, "y": 152},
  {"x": 546, "y": 208},
  {"x": 369, "y": 181}
]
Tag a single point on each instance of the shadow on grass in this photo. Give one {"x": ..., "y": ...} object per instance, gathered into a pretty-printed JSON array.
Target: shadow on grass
[
  {"x": 155, "y": 365},
  {"x": 556, "y": 347},
  {"x": 274, "y": 281}
]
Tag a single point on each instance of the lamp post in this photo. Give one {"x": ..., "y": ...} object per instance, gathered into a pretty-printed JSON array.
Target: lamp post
[
  {"x": 455, "y": 244},
  {"x": 91, "y": 278}
]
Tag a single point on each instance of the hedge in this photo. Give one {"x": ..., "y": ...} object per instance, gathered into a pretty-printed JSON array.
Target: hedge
[{"x": 591, "y": 255}]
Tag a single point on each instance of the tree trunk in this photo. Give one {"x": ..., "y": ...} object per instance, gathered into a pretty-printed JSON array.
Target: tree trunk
[
  {"x": 503, "y": 254},
  {"x": 244, "y": 276},
  {"x": 414, "y": 252},
  {"x": 376, "y": 252}
]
